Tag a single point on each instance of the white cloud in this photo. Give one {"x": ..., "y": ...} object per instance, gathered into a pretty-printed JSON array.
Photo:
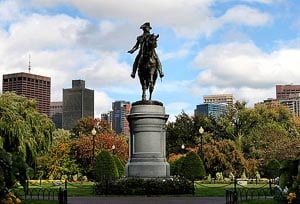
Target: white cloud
[
  {"x": 107, "y": 71},
  {"x": 9, "y": 11},
  {"x": 245, "y": 15},
  {"x": 175, "y": 108},
  {"x": 102, "y": 102},
  {"x": 247, "y": 70},
  {"x": 186, "y": 18}
]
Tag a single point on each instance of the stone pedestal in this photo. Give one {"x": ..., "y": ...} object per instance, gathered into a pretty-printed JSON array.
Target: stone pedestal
[{"x": 147, "y": 144}]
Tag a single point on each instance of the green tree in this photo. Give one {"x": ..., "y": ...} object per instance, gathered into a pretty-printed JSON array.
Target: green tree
[
  {"x": 272, "y": 169},
  {"x": 192, "y": 166},
  {"x": 270, "y": 141},
  {"x": 58, "y": 160},
  {"x": 24, "y": 132},
  {"x": 185, "y": 130},
  {"x": 105, "y": 167}
]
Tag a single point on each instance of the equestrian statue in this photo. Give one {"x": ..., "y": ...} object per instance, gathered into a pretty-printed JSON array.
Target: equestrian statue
[{"x": 146, "y": 62}]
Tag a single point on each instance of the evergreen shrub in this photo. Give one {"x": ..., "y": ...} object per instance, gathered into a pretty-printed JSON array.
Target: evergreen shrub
[
  {"x": 192, "y": 166},
  {"x": 139, "y": 186},
  {"x": 105, "y": 167}
]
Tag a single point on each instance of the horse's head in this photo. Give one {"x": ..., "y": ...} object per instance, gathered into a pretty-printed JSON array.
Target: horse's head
[{"x": 153, "y": 40}]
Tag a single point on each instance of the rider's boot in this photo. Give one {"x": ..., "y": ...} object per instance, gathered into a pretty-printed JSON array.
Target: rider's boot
[
  {"x": 159, "y": 68},
  {"x": 133, "y": 72},
  {"x": 161, "y": 74},
  {"x": 132, "y": 75},
  {"x": 134, "y": 68}
]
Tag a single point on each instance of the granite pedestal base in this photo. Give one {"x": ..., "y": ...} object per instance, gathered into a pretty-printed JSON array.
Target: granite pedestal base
[{"x": 147, "y": 144}]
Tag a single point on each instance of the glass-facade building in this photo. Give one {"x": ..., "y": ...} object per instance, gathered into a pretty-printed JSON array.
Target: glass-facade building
[
  {"x": 211, "y": 109},
  {"x": 119, "y": 117}
]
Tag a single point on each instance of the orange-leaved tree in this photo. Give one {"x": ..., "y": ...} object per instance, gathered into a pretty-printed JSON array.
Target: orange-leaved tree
[{"x": 86, "y": 145}]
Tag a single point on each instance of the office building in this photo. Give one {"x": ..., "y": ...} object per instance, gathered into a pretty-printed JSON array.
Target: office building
[
  {"x": 31, "y": 86},
  {"x": 211, "y": 109},
  {"x": 78, "y": 102},
  {"x": 107, "y": 117},
  {"x": 119, "y": 117},
  {"x": 284, "y": 92},
  {"x": 219, "y": 98},
  {"x": 56, "y": 111}
]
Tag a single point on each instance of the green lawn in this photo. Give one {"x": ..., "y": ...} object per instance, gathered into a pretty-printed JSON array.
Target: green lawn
[{"x": 78, "y": 189}]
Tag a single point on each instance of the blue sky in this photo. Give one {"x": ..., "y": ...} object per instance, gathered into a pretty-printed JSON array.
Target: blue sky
[{"x": 242, "y": 47}]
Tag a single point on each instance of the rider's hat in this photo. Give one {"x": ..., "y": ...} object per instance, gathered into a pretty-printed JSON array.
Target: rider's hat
[{"x": 145, "y": 25}]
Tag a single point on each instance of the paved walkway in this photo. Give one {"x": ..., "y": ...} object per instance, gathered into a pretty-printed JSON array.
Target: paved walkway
[{"x": 146, "y": 200}]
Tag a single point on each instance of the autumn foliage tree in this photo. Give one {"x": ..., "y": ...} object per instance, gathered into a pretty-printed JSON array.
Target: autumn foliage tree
[
  {"x": 86, "y": 145},
  {"x": 58, "y": 161},
  {"x": 223, "y": 156}
]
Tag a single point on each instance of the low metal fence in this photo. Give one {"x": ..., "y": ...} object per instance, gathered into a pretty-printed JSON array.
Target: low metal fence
[
  {"x": 240, "y": 193},
  {"x": 36, "y": 192}
]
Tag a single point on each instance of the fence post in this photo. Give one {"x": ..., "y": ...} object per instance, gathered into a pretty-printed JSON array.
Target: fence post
[
  {"x": 66, "y": 184},
  {"x": 235, "y": 195},
  {"x": 270, "y": 186},
  {"x": 65, "y": 195},
  {"x": 26, "y": 187},
  {"x": 60, "y": 196},
  {"x": 193, "y": 183}
]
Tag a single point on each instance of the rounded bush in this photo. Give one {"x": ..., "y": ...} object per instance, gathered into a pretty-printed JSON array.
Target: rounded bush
[
  {"x": 192, "y": 166},
  {"x": 105, "y": 167}
]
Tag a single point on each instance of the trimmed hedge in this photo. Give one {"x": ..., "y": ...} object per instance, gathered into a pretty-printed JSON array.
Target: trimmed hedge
[{"x": 139, "y": 186}]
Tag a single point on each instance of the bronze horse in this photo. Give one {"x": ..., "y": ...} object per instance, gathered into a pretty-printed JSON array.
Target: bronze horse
[{"x": 148, "y": 64}]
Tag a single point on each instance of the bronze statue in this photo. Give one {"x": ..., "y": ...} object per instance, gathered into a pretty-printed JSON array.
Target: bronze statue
[{"x": 146, "y": 62}]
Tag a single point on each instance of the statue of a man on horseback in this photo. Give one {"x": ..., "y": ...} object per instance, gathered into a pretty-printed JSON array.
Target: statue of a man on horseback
[{"x": 146, "y": 62}]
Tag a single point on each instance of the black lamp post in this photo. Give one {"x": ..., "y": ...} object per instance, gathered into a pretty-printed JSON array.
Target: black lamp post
[
  {"x": 94, "y": 132},
  {"x": 201, "y": 131},
  {"x": 113, "y": 147}
]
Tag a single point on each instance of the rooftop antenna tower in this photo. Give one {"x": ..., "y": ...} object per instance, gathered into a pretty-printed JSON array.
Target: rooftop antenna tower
[{"x": 29, "y": 66}]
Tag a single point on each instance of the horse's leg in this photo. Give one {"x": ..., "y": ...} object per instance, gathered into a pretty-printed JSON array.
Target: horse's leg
[
  {"x": 142, "y": 82},
  {"x": 153, "y": 80},
  {"x": 144, "y": 94},
  {"x": 150, "y": 93},
  {"x": 151, "y": 86}
]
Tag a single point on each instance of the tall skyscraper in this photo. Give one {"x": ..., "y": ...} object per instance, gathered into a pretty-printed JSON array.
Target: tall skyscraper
[
  {"x": 284, "y": 92},
  {"x": 31, "y": 86},
  {"x": 78, "y": 102},
  {"x": 119, "y": 117},
  {"x": 56, "y": 111}
]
